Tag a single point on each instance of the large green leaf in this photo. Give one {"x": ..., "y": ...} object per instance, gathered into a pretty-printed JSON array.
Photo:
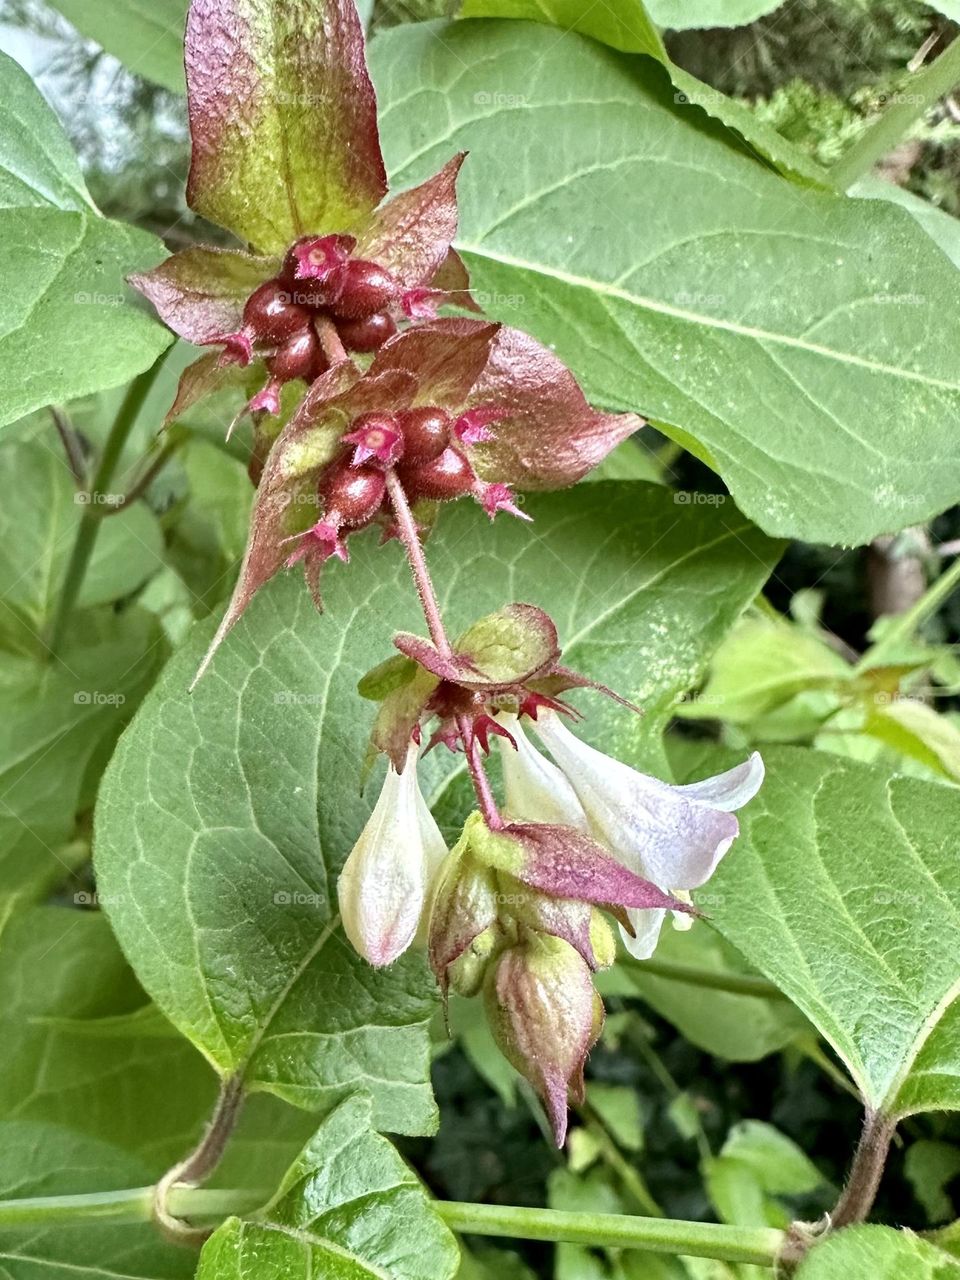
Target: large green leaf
[
  {"x": 844, "y": 889},
  {"x": 226, "y": 814},
  {"x": 67, "y": 326},
  {"x": 145, "y": 35},
  {"x": 349, "y": 1207},
  {"x": 682, "y": 14},
  {"x": 59, "y": 719},
  {"x": 802, "y": 342},
  {"x": 626, "y": 25},
  {"x": 880, "y": 1253}
]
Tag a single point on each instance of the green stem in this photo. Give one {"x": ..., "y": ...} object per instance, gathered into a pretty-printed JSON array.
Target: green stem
[
  {"x": 759, "y": 1245},
  {"x": 601, "y": 1230},
  {"x": 90, "y": 521},
  {"x": 134, "y": 1205},
  {"x": 630, "y": 1176},
  {"x": 922, "y": 92},
  {"x": 735, "y": 984},
  {"x": 907, "y": 623}
]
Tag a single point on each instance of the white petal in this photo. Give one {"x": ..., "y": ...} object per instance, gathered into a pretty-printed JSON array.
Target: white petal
[
  {"x": 383, "y": 884},
  {"x": 647, "y": 926},
  {"x": 535, "y": 790},
  {"x": 652, "y": 827},
  {"x": 730, "y": 790}
]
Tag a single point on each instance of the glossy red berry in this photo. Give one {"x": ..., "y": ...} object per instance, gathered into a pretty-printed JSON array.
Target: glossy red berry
[
  {"x": 352, "y": 495},
  {"x": 366, "y": 335},
  {"x": 426, "y": 433},
  {"x": 271, "y": 316},
  {"x": 447, "y": 476},
  {"x": 359, "y": 289},
  {"x": 299, "y": 357}
]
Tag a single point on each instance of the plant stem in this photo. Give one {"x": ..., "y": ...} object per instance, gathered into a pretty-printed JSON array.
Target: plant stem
[
  {"x": 926, "y": 88},
  {"x": 90, "y": 521},
  {"x": 199, "y": 1164},
  {"x": 866, "y": 1171},
  {"x": 410, "y": 538},
  {"x": 630, "y": 1176},
  {"x": 135, "y": 1205},
  {"x": 615, "y": 1230},
  {"x": 145, "y": 479},
  {"x": 735, "y": 984},
  {"x": 907, "y": 623}
]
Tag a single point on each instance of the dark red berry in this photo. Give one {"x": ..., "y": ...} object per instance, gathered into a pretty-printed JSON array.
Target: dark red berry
[
  {"x": 352, "y": 494},
  {"x": 299, "y": 357},
  {"x": 366, "y": 335},
  {"x": 271, "y": 316},
  {"x": 447, "y": 476},
  {"x": 359, "y": 289},
  {"x": 426, "y": 433}
]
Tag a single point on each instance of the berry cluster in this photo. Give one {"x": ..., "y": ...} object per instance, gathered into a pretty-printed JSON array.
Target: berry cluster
[
  {"x": 318, "y": 281},
  {"x": 421, "y": 446}
]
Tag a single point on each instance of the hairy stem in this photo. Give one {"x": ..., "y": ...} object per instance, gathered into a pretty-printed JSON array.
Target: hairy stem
[
  {"x": 614, "y": 1230},
  {"x": 866, "y": 1171},
  {"x": 410, "y": 537},
  {"x": 199, "y": 1164},
  {"x": 925, "y": 89},
  {"x": 90, "y": 521},
  {"x": 330, "y": 342}
]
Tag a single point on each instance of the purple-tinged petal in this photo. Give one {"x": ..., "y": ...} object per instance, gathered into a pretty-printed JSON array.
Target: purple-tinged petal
[
  {"x": 543, "y": 1014},
  {"x": 535, "y": 790},
  {"x": 446, "y": 357},
  {"x": 200, "y": 292},
  {"x": 728, "y": 791},
  {"x": 410, "y": 235},
  {"x": 653, "y": 827},
  {"x": 283, "y": 118},
  {"x": 548, "y": 436}
]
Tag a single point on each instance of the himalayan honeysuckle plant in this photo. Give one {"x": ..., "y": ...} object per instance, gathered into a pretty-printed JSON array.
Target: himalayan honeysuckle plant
[
  {"x": 506, "y": 797},
  {"x": 439, "y": 409}
]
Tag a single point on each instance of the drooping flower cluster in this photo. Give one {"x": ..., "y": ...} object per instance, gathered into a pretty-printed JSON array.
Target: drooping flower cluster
[{"x": 516, "y": 909}]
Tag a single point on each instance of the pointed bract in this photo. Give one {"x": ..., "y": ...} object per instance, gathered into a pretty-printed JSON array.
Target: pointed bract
[
  {"x": 542, "y": 1011},
  {"x": 464, "y": 906},
  {"x": 282, "y": 119}
]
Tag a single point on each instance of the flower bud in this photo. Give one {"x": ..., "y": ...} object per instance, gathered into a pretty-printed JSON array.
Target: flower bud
[
  {"x": 270, "y": 316},
  {"x": 543, "y": 1013},
  {"x": 385, "y": 881},
  {"x": 464, "y": 906},
  {"x": 358, "y": 289},
  {"x": 447, "y": 476},
  {"x": 465, "y": 976},
  {"x": 426, "y": 433},
  {"x": 367, "y": 335},
  {"x": 577, "y": 923},
  {"x": 352, "y": 495}
]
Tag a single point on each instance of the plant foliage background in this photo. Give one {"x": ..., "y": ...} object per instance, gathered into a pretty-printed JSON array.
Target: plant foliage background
[{"x": 770, "y": 564}]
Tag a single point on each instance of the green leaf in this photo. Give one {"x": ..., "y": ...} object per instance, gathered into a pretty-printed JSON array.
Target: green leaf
[
  {"x": 844, "y": 890},
  {"x": 59, "y": 720},
  {"x": 147, "y": 37},
  {"x": 753, "y": 303},
  {"x": 739, "y": 1028},
  {"x": 917, "y": 731},
  {"x": 39, "y": 518},
  {"x": 779, "y": 1164},
  {"x": 47, "y": 1159},
  {"x": 680, "y": 15},
  {"x": 66, "y": 325},
  {"x": 880, "y": 1253},
  {"x": 225, "y": 815},
  {"x": 759, "y": 666},
  {"x": 941, "y": 226},
  {"x": 348, "y": 1207}
]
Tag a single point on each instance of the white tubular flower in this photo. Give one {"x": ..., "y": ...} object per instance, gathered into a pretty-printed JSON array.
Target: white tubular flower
[
  {"x": 535, "y": 790},
  {"x": 674, "y": 836},
  {"x": 386, "y": 880}
]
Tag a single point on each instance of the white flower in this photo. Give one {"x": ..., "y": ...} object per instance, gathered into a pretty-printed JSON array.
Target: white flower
[
  {"x": 674, "y": 836},
  {"x": 534, "y": 789},
  {"x": 385, "y": 882}
]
